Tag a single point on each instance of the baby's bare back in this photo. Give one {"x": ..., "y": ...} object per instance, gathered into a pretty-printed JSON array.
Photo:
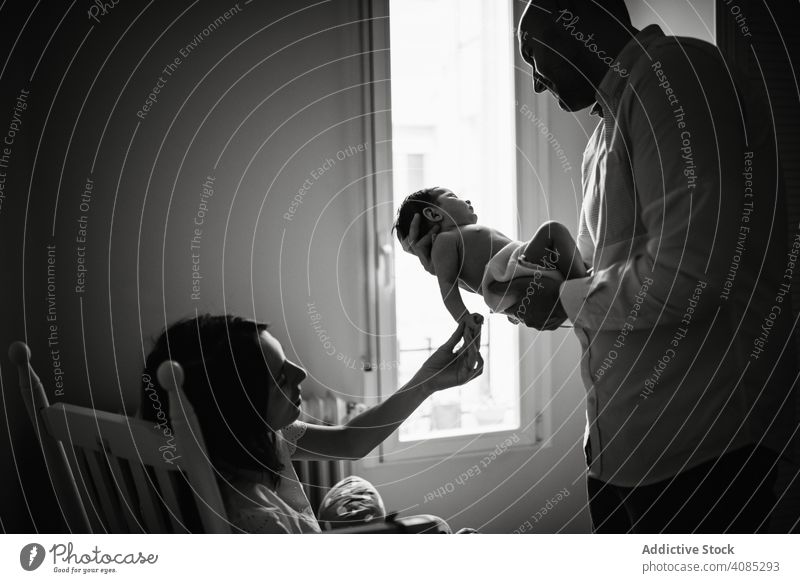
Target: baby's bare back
[{"x": 477, "y": 244}]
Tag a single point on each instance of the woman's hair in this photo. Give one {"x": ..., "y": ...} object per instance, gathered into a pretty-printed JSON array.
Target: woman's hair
[
  {"x": 413, "y": 204},
  {"x": 227, "y": 381}
]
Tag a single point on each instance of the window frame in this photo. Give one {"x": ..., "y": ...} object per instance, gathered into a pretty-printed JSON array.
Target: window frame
[{"x": 532, "y": 179}]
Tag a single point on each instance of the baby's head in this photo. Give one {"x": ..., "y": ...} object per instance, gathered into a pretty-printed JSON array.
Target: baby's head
[{"x": 437, "y": 205}]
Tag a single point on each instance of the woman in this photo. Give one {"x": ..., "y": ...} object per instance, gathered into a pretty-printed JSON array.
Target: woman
[{"x": 247, "y": 397}]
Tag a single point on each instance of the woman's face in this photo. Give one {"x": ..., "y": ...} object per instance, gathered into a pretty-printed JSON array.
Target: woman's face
[{"x": 283, "y": 402}]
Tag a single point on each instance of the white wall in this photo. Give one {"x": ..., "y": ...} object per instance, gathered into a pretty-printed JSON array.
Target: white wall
[{"x": 148, "y": 178}]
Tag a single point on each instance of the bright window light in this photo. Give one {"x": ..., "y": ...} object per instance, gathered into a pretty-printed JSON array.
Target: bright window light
[{"x": 452, "y": 126}]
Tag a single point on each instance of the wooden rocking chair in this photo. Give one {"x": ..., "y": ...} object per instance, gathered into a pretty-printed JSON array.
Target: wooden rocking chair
[
  {"x": 126, "y": 479},
  {"x": 127, "y": 482}
]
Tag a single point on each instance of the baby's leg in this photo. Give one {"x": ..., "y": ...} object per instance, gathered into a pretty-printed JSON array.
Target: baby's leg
[{"x": 553, "y": 247}]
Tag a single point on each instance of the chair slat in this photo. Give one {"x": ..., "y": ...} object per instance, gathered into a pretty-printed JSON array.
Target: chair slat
[
  {"x": 167, "y": 488},
  {"x": 106, "y": 490},
  {"x": 120, "y": 469},
  {"x": 148, "y": 500},
  {"x": 89, "y": 492}
]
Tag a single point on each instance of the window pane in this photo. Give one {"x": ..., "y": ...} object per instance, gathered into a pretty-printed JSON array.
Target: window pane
[{"x": 452, "y": 126}]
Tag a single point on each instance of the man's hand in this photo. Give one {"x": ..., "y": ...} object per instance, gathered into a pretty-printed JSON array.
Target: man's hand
[
  {"x": 420, "y": 246},
  {"x": 540, "y": 306},
  {"x": 445, "y": 368}
]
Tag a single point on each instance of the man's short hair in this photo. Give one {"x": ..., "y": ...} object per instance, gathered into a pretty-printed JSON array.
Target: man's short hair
[
  {"x": 589, "y": 8},
  {"x": 617, "y": 8}
]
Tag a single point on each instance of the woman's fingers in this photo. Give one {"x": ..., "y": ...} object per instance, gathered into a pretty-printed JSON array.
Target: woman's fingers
[
  {"x": 470, "y": 351},
  {"x": 475, "y": 335},
  {"x": 478, "y": 367},
  {"x": 455, "y": 338},
  {"x": 472, "y": 364},
  {"x": 468, "y": 334}
]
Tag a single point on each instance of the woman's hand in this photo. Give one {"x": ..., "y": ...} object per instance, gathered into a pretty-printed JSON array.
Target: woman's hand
[
  {"x": 446, "y": 368},
  {"x": 472, "y": 323},
  {"x": 420, "y": 246}
]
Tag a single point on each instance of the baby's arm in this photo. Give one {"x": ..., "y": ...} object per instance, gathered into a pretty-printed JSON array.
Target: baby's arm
[
  {"x": 553, "y": 247},
  {"x": 446, "y": 265}
]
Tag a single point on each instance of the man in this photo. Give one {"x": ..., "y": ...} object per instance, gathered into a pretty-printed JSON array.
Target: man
[{"x": 685, "y": 319}]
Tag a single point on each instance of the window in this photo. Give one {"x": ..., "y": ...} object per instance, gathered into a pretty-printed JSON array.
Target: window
[
  {"x": 450, "y": 81},
  {"x": 452, "y": 125}
]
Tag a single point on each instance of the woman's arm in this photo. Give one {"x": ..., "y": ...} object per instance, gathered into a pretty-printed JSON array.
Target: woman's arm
[{"x": 445, "y": 368}]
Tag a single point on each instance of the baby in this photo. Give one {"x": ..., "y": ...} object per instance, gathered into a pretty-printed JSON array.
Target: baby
[{"x": 483, "y": 260}]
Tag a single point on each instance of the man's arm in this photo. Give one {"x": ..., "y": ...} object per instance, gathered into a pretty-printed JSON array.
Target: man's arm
[{"x": 685, "y": 158}]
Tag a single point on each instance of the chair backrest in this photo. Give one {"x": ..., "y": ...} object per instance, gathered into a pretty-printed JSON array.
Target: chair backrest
[{"x": 134, "y": 476}]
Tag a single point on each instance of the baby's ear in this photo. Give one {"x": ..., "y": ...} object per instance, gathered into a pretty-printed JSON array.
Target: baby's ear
[{"x": 432, "y": 214}]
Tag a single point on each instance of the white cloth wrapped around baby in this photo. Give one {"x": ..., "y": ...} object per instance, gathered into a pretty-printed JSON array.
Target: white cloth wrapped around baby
[{"x": 510, "y": 264}]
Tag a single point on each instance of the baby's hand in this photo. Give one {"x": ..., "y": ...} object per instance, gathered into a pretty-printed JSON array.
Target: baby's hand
[{"x": 473, "y": 323}]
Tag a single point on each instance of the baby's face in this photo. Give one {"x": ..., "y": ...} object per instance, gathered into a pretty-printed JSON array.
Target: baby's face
[{"x": 454, "y": 210}]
